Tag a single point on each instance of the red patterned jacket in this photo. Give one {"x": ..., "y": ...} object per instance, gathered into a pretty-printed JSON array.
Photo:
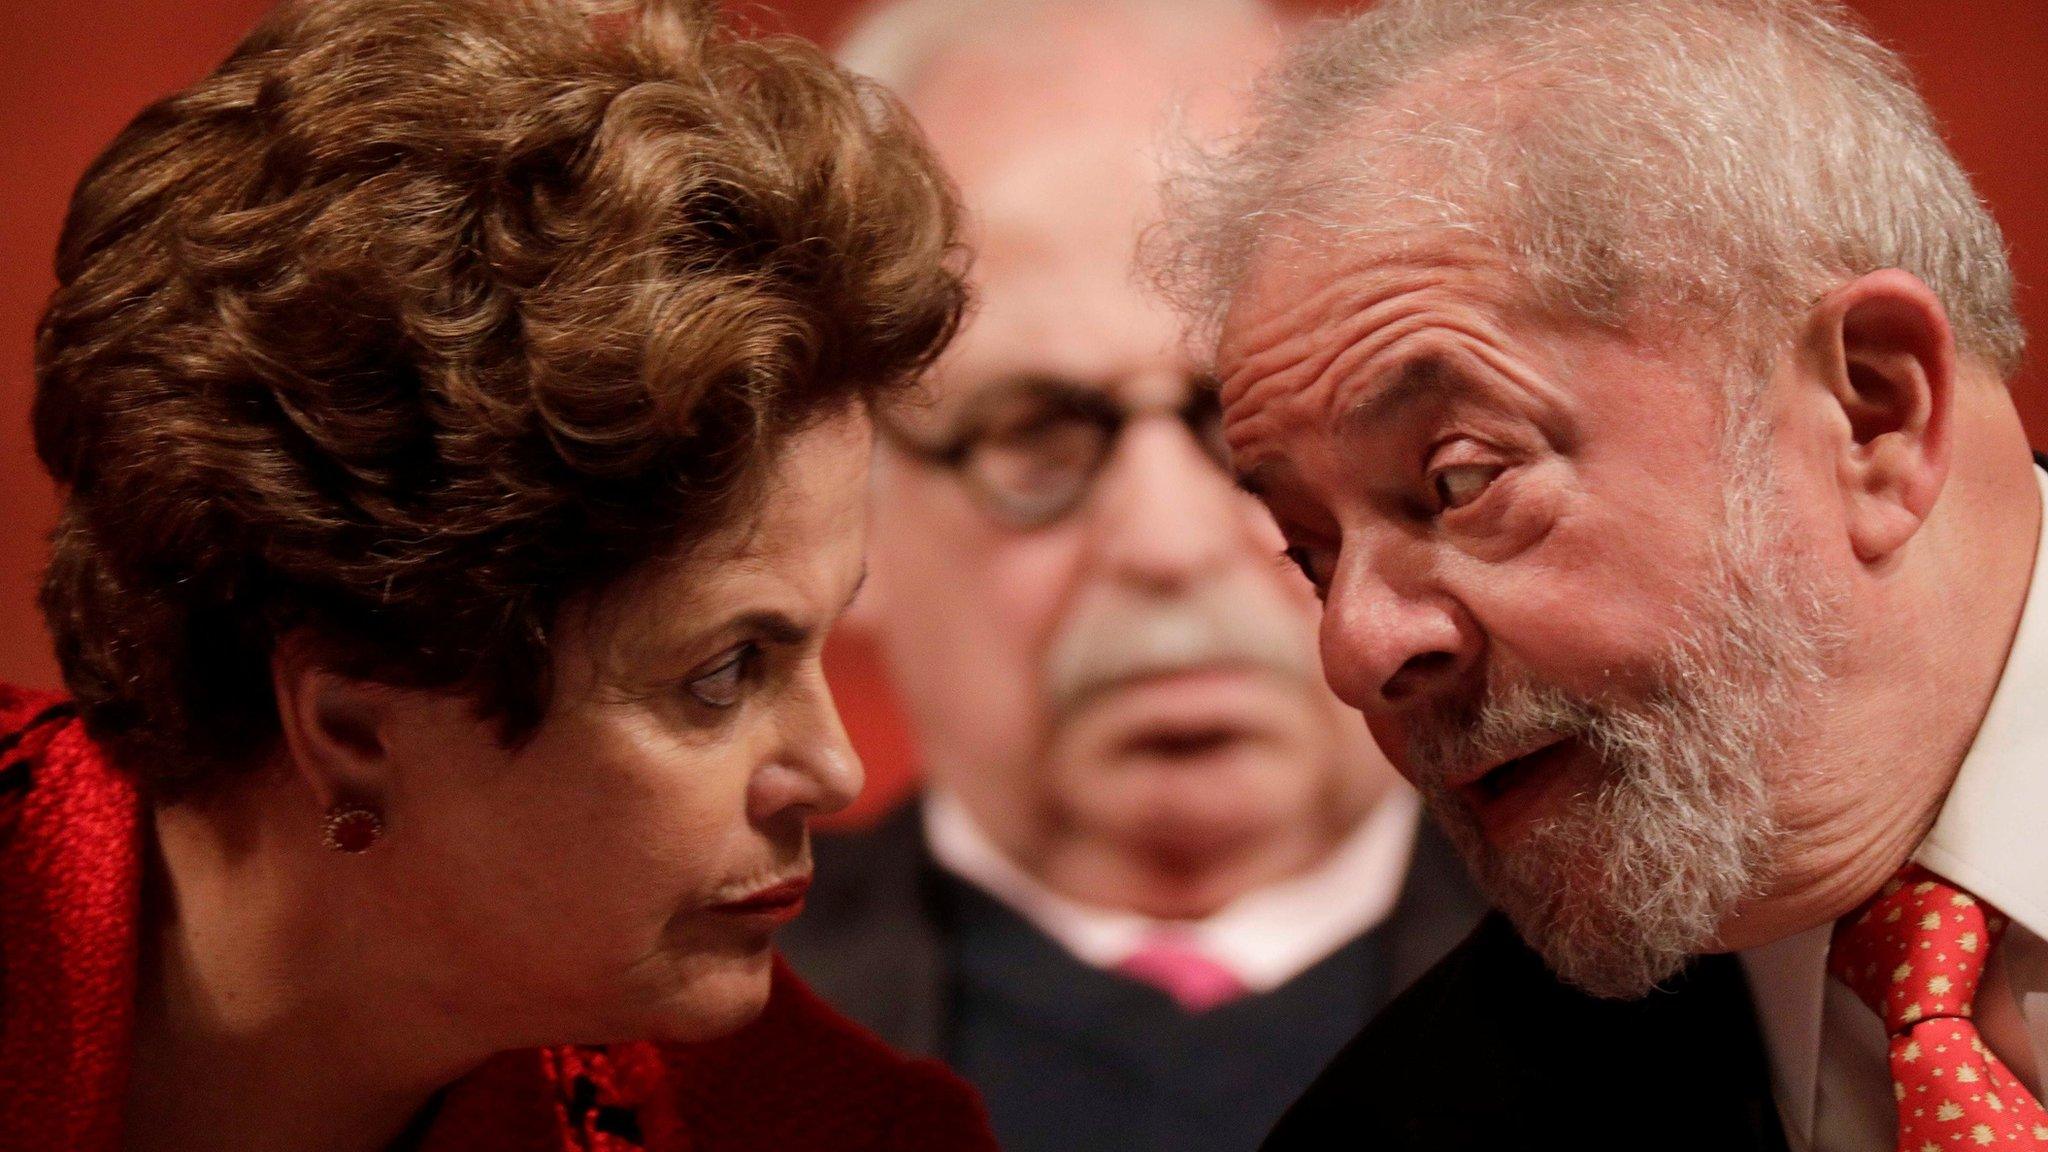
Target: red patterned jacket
[{"x": 801, "y": 1078}]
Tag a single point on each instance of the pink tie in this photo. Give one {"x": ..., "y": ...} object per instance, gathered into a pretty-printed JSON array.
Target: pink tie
[{"x": 1171, "y": 962}]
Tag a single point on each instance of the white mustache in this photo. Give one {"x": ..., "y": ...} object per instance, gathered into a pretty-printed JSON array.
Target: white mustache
[
  {"x": 1503, "y": 721},
  {"x": 1115, "y": 640}
]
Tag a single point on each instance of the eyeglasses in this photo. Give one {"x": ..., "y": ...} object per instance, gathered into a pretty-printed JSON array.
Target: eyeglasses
[{"x": 1029, "y": 452}]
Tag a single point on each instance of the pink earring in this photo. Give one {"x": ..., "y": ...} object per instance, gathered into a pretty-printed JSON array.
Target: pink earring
[{"x": 352, "y": 826}]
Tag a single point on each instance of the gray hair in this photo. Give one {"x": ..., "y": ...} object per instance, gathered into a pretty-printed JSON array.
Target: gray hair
[
  {"x": 895, "y": 42},
  {"x": 1732, "y": 159}
]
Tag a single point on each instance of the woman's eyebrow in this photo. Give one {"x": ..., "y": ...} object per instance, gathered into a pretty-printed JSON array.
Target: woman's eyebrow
[{"x": 769, "y": 624}]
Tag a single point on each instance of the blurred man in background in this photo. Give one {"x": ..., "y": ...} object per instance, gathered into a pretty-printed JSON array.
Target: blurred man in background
[{"x": 1158, "y": 873}]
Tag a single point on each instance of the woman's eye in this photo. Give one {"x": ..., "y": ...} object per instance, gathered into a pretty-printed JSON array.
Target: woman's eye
[
  {"x": 723, "y": 686},
  {"x": 1461, "y": 484}
]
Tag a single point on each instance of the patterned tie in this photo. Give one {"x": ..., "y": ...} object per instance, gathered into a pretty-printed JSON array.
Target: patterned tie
[
  {"x": 1172, "y": 963},
  {"x": 1915, "y": 954}
]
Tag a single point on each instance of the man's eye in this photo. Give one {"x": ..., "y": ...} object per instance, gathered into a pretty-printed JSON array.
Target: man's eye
[
  {"x": 725, "y": 685},
  {"x": 1461, "y": 484},
  {"x": 1304, "y": 561}
]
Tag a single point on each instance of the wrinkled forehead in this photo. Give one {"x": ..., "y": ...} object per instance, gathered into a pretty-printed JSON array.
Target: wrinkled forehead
[
  {"x": 1409, "y": 178},
  {"x": 1310, "y": 292}
]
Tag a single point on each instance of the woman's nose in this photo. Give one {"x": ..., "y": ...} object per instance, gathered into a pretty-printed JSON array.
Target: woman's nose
[{"x": 817, "y": 772}]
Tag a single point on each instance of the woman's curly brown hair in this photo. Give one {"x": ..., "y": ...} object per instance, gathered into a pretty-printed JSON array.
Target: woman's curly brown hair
[{"x": 419, "y": 317}]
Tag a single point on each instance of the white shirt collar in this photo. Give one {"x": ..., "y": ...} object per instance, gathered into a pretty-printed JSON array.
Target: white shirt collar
[
  {"x": 1265, "y": 938},
  {"x": 1788, "y": 988},
  {"x": 1989, "y": 838}
]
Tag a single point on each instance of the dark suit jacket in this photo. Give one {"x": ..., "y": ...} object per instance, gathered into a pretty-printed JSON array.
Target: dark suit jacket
[
  {"x": 1490, "y": 1051},
  {"x": 872, "y": 939}
]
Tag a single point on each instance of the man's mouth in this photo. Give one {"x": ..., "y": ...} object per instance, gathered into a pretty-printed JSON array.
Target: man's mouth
[
  {"x": 1190, "y": 715},
  {"x": 1499, "y": 794},
  {"x": 1170, "y": 742}
]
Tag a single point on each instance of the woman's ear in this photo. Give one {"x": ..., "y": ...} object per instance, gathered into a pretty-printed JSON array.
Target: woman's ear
[
  {"x": 1881, "y": 350},
  {"x": 336, "y": 728}
]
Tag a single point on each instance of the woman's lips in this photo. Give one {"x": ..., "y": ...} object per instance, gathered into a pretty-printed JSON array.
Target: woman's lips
[{"x": 777, "y": 903}]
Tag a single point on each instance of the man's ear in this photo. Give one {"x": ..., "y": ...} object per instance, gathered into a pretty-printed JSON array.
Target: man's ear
[
  {"x": 1882, "y": 348},
  {"x": 336, "y": 729}
]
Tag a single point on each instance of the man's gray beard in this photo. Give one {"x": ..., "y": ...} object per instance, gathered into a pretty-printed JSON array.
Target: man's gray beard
[{"x": 1630, "y": 879}]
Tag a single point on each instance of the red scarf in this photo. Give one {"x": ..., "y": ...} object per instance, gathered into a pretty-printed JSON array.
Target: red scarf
[{"x": 800, "y": 1078}]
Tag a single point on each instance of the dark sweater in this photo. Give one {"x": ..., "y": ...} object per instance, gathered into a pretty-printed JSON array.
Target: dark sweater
[
  {"x": 881, "y": 940},
  {"x": 1070, "y": 1057}
]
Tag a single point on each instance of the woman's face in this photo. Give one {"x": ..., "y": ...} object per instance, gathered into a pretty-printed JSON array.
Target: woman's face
[{"x": 619, "y": 875}]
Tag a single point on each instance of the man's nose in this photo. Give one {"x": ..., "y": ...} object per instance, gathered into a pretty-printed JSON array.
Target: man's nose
[
  {"x": 1165, "y": 515},
  {"x": 1389, "y": 638},
  {"x": 817, "y": 772}
]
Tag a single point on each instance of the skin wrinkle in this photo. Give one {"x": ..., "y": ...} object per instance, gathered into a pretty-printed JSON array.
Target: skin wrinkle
[
  {"x": 1411, "y": 557},
  {"x": 1325, "y": 320},
  {"x": 1310, "y": 460},
  {"x": 1331, "y": 392},
  {"x": 1802, "y": 258},
  {"x": 1657, "y": 911}
]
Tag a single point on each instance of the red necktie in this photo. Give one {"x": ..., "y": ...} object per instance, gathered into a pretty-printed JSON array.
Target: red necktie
[
  {"x": 1915, "y": 954},
  {"x": 1170, "y": 962}
]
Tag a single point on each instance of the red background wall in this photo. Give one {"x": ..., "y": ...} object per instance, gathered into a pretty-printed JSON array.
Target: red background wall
[{"x": 72, "y": 72}]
